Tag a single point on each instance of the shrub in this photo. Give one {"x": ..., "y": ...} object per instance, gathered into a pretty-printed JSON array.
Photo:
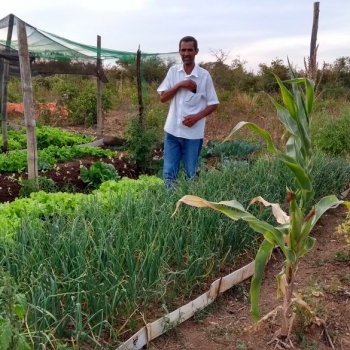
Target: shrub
[
  {"x": 83, "y": 106},
  {"x": 140, "y": 143},
  {"x": 333, "y": 136}
]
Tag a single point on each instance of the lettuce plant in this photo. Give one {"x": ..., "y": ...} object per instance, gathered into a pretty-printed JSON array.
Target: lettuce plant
[
  {"x": 99, "y": 172},
  {"x": 292, "y": 232}
]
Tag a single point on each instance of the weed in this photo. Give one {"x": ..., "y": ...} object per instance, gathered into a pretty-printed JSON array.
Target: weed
[
  {"x": 343, "y": 257},
  {"x": 312, "y": 295},
  {"x": 344, "y": 278},
  {"x": 171, "y": 328},
  {"x": 320, "y": 262},
  {"x": 241, "y": 293},
  {"x": 240, "y": 345},
  {"x": 303, "y": 341},
  {"x": 204, "y": 312}
]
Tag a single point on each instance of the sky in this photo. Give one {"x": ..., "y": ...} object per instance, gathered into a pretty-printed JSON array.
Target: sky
[{"x": 254, "y": 31}]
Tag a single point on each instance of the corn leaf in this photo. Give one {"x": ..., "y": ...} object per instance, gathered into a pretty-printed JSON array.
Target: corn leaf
[
  {"x": 261, "y": 259},
  {"x": 280, "y": 216},
  {"x": 307, "y": 247},
  {"x": 302, "y": 178},
  {"x": 309, "y": 91},
  {"x": 324, "y": 204},
  {"x": 287, "y": 98},
  {"x": 235, "y": 211},
  {"x": 272, "y": 235},
  {"x": 255, "y": 128},
  {"x": 295, "y": 225},
  {"x": 286, "y": 118}
]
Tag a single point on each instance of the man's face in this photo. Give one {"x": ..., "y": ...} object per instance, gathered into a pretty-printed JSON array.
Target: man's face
[{"x": 187, "y": 52}]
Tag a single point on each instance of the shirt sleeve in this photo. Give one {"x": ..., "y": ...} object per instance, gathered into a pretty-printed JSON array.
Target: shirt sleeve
[
  {"x": 166, "y": 83},
  {"x": 212, "y": 98}
]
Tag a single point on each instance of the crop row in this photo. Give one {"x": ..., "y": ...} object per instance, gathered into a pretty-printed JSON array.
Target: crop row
[
  {"x": 46, "y": 136},
  {"x": 41, "y": 204},
  {"x": 16, "y": 161}
]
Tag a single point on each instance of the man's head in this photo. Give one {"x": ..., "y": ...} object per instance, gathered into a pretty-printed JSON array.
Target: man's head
[
  {"x": 187, "y": 39},
  {"x": 188, "y": 48}
]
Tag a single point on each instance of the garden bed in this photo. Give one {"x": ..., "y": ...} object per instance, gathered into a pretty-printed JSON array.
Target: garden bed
[{"x": 67, "y": 175}]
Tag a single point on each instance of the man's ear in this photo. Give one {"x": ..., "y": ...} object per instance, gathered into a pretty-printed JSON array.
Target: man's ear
[{"x": 197, "y": 51}]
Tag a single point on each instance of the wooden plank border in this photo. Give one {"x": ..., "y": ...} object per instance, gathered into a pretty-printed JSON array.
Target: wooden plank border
[{"x": 173, "y": 319}]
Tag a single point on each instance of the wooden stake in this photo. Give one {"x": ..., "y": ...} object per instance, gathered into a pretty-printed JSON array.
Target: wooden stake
[
  {"x": 313, "y": 44},
  {"x": 139, "y": 84},
  {"x": 28, "y": 104},
  {"x": 4, "y": 93},
  {"x": 1, "y": 79},
  {"x": 4, "y": 81},
  {"x": 100, "y": 116}
]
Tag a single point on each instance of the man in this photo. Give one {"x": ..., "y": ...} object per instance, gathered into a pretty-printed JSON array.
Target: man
[{"x": 191, "y": 92}]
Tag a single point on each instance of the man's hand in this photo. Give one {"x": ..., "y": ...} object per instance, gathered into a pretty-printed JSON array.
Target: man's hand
[
  {"x": 184, "y": 84},
  {"x": 188, "y": 84},
  {"x": 190, "y": 120}
]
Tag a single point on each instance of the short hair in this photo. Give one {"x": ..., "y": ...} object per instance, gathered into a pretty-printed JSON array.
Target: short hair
[{"x": 188, "y": 39}]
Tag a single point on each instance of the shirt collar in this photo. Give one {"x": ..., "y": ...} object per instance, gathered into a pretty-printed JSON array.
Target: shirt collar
[{"x": 194, "y": 71}]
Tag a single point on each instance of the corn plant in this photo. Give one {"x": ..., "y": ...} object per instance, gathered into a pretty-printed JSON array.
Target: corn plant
[{"x": 292, "y": 232}]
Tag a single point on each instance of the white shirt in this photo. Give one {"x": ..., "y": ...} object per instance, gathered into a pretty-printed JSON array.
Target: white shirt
[{"x": 185, "y": 102}]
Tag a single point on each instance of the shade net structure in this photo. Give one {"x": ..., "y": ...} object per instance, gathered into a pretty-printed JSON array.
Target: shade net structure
[{"x": 51, "y": 54}]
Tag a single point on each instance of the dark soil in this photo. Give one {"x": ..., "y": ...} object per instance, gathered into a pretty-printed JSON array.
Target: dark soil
[{"x": 67, "y": 175}]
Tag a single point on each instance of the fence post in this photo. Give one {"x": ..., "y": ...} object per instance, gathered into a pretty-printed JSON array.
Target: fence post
[
  {"x": 100, "y": 116},
  {"x": 28, "y": 104},
  {"x": 313, "y": 44}
]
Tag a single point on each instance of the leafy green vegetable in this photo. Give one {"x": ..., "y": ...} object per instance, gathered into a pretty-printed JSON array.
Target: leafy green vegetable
[
  {"x": 238, "y": 149},
  {"x": 46, "y": 136},
  {"x": 41, "y": 204},
  {"x": 99, "y": 172},
  {"x": 16, "y": 161}
]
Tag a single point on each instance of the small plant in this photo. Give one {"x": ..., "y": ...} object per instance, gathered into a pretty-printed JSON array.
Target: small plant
[
  {"x": 344, "y": 229},
  {"x": 41, "y": 184},
  {"x": 303, "y": 341},
  {"x": 203, "y": 313},
  {"x": 240, "y": 345},
  {"x": 140, "y": 143},
  {"x": 99, "y": 172},
  {"x": 292, "y": 234},
  {"x": 312, "y": 294}
]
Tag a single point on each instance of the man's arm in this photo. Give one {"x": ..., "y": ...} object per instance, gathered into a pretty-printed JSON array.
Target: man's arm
[
  {"x": 169, "y": 94},
  {"x": 190, "y": 120}
]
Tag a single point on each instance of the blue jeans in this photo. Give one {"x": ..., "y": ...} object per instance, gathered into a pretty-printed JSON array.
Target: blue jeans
[{"x": 175, "y": 150}]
